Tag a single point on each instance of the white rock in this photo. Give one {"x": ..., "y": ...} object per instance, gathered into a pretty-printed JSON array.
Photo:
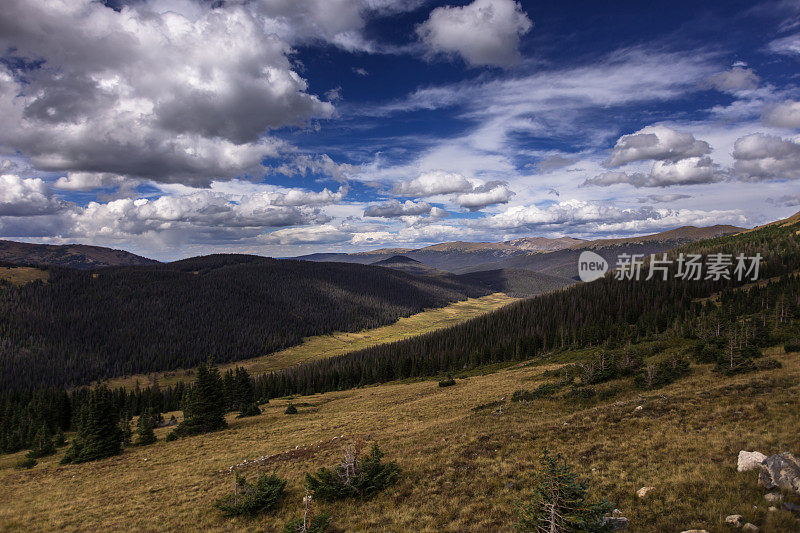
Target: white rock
[
  {"x": 749, "y": 461},
  {"x": 694, "y": 531},
  {"x": 734, "y": 520},
  {"x": 641, "y": 493},
  {"x": 750, "y": 527},
  {"x": 639, "y": 407},
  {"x": 773, "y": 497}
]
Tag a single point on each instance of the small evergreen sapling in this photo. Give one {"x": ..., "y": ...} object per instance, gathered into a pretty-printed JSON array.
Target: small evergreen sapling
[
  {"x": 252, "y": 499},
  {"x": 291, "y": 410},
  {"x": 354, "y": 477},
  {"x": 560, "y": 502}
]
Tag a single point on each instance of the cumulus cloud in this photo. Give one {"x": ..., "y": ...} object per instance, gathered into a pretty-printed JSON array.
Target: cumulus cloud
[
  {"x": 87, "y": 181},
  {"x": 167, "y": 96},
  {"x": 490, "y": 193},
  {"x": 485, "y": 32},
  {"x": 738, "y": 78},
  {"x": 25, "y": 197},
  {"x": 394, "y": 209},
  {"x": 433, "y": 183},
  {"x": 783, "y": 115},
  {"x": 657, "y": 143},
  {"x": 688, "y": 171},
  {"x": 761, "y": 157},
  {"x": 578, "y": 215},
  {"x": 325, "y": 233}
]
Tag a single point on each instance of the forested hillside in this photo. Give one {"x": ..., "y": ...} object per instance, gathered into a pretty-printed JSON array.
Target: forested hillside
[
  {"x": 607, "y": 312},
  {"x": 86, "y": 325}
]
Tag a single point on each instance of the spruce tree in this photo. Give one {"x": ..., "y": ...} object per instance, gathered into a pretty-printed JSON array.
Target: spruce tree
[
  {"x": 99, "y": 434},
  {"x": 144, "y": 430},
  {"x": 42, "y": 443},
  {"x": 560, "y": 502},
  {"x": 205, "y": 404}
]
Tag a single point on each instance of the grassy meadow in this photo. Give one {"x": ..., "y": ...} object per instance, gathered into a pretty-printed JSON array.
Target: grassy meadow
[
  {"x": 467, "y": 456},
  {"x": 22, "y": 275},
  {"x": 339, "y": 343}
]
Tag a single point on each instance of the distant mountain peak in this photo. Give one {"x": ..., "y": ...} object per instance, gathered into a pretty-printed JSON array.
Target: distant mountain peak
[{"x": 80, "y": 256}]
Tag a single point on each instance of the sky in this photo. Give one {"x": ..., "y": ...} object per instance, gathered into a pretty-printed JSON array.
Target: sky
[{"x": 175, "y": 128}]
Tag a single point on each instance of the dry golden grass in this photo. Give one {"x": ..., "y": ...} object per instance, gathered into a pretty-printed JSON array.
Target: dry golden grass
[
  {"x": 462, "y": 469},
  {"x": 339, "y": 343},
  {"x": 22, "y": 275}
]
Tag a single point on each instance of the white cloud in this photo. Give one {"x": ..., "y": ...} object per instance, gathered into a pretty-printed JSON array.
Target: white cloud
[
  {"x": 738, "y": 78},
  {"x": 485, "y": 32},
  {"x": 789, "y": 45},
  {"x": 577, "y": 216},
  {"x": 433, "y": 183},
  {"x": 325, "y": 233},
  {"x": 27, "y": 197},
  {"x": 658, "y": 143},
  {"x": 761, "y": 157},
  {"x": 491, "y": 193},
  {"x": 394, "y": 209},
  {"x": 689, "y": 171},
  {"x": 783, "y": 115},
  {"x": 789, "y": 200},
  {"x": 165, "y": 96}
]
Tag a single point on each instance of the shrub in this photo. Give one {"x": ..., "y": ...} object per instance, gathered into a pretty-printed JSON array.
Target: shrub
[
  {"x": 354, "y": 477},
  {"x": 447, "y": 382},
  {"x": 792, "y": 345},
  {"x": 768, "y": 364},
  {"x": 655, "y": 375},
  {"x": 26, "y": 463},
  {"x": 580, "y": 394},
  {"x": 249, "y": 410},
  {"x": 253, "y": 499},
  {"x": 560, "y": 502},
  {"x": 545, "y": 390},
  {"x": 171, "y": 437},
  {"x": 317, "y": 524},
  {"x": 706, "y": 353},
  {"x": 291, "y": 410}
]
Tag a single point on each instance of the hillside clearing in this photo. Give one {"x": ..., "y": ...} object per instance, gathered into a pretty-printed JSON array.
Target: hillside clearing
[
  {"x": 21, "y": 275},
  {"x": 466, "y": 454}
]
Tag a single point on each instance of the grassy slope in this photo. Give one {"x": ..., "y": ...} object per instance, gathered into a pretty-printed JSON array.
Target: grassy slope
[
  {"x": 463, "y": 469},
  {"x": 340, "y": 343},
  {"x": 23, "y": 275}
]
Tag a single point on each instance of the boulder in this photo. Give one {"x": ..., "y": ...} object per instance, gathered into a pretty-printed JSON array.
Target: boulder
[
  {"x": 617, "y": 523},
  {"x": 735, "y": 520},
  {"x": 694, "y": 531},
  {"x": 749, "y": 461},
  {"x": 781, "y": 471},
  {"x": 750, "y": 527},
  {"x": 773, "y": 497},
  {"x": 641, "y": 493}
]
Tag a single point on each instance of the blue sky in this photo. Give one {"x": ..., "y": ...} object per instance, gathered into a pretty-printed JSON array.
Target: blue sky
[{"x": 180, "y": 127}]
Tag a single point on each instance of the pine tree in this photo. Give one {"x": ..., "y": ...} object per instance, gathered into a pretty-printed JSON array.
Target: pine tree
[
  {"x": 560, "y": 503},
  {"x": 144, "y": 430},
  {"x": 205, "y": 405},
  {"x": 99, "y": 434},
  {"x": 42, "y": 443}
]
